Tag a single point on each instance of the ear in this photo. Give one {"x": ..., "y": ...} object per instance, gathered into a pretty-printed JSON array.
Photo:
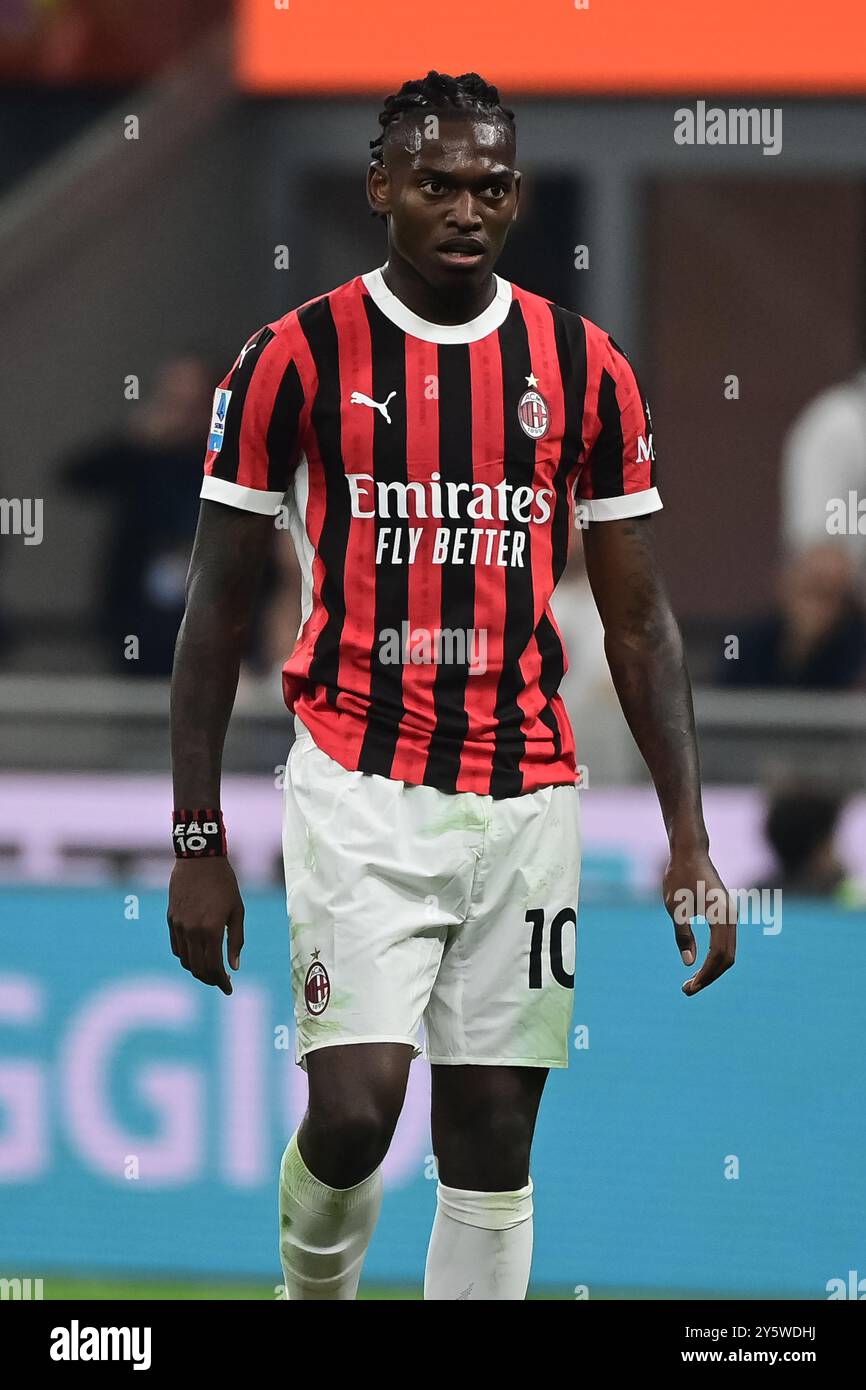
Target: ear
[{"x": 378, "y": 187}]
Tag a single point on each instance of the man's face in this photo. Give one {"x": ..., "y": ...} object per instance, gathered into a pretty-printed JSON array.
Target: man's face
[{"x": 451, "y": 189}]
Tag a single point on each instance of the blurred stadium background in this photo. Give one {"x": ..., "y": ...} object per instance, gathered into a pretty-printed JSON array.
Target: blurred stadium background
[{"x": 174, "y": 175}]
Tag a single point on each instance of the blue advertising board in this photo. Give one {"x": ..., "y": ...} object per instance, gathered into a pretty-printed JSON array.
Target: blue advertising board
[{"x": 712, "y": 1145}]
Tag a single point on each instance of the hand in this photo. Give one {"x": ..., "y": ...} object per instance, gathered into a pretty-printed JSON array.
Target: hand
[
  {"x": 204, "y": 899},
  {"x": 692, "y": 888}
]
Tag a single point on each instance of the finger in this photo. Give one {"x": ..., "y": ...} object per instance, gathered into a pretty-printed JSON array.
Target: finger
[
  {"x": 196, "y": 956},
  {"x": 236, "y": 935},
  {"x": 685, "y": 938},
  {"x": 720, "y": 958},
  {"x": 708, "y": 972},
  {"x": 172, "y": 938},
  {"x": 206, "y": 962},
  {"x": 215, "y": 965},
  {"x": 182, "y": 943}
]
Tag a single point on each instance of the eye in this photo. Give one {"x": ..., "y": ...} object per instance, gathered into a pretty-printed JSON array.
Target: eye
[
  {"x": 497, "y": 191},
  {"x": 433, "y": 186}
]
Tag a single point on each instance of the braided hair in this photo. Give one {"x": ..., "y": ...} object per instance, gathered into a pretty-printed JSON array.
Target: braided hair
[{"x": 439, "y": 92}]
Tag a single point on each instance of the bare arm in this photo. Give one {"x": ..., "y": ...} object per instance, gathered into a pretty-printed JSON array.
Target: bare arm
[
  {"x": 227, "y": 562},
  {"x": 225, "y": 570},
  {"x": 645, "y": 655}
]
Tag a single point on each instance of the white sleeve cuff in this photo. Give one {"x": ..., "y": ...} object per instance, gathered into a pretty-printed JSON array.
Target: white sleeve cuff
[
  {"x": 249, "y": 499},
  {"x": 617, "y": 508}
]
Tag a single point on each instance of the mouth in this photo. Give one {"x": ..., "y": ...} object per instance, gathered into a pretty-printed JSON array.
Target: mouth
[{"x": 461, "y": 251}]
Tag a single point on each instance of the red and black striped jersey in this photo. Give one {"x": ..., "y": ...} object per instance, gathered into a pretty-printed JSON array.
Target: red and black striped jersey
[{"x": 429, "y": 475}]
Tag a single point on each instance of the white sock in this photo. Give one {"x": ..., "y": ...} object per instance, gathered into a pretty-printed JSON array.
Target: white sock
[
  {"x": 324, "y": 1231},
  {"x": 481, "y": 1245}
]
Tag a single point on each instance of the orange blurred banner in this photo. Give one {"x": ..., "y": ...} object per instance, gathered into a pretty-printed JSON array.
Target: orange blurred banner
[{"x": 612, "y": 46}]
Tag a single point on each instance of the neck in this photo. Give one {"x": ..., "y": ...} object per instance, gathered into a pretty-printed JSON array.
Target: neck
[{"x": 460, "y": 305}]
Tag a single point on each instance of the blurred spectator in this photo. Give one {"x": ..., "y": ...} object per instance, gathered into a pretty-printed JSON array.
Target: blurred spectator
[
  {"x": 800, "y": 828},
  {"x": 98, "y": 40},
  {"x": 150, "y": 477},
  {"x": 816, "y": 638},
  {"x": 823, "y": 461}
]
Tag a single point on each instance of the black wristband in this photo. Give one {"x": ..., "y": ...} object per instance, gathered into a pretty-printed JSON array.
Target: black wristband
[{"x": 198, "y": 834}]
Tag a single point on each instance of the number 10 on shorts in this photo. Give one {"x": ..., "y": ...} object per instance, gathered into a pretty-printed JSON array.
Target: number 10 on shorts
[{"x": 567, "y": 916}]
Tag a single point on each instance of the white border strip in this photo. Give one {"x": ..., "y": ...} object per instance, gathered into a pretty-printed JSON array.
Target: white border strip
[
  {"x": 616, "y": 508},
  {"x": 248, "y": 499}
]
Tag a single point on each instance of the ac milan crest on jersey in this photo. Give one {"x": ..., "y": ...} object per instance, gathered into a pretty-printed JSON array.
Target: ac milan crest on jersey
[
  {"x": 533, "y": 414},
  {"x": 317, "y": 988}
]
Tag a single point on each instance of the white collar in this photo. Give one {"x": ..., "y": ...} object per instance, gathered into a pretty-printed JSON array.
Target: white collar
[{"x": 393, "y": 308}]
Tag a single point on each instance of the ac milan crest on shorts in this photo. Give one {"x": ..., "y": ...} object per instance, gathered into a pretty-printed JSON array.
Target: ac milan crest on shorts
[{"x": 317, "y": 988}]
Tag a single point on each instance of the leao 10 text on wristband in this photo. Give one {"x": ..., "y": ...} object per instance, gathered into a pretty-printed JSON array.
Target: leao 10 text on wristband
[{"x": 198, "y": 834}]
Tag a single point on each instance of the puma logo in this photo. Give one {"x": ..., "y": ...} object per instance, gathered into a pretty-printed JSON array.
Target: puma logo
[
  {"x": 358, "y": 398},
  {"x": 248, "y": 347}
]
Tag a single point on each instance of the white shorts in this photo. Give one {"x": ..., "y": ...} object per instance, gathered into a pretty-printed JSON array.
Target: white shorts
[{"x": 408, "y": 905}]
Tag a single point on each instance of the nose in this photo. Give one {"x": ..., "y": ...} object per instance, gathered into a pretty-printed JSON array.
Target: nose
[{"x": 463, "y": 212}]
